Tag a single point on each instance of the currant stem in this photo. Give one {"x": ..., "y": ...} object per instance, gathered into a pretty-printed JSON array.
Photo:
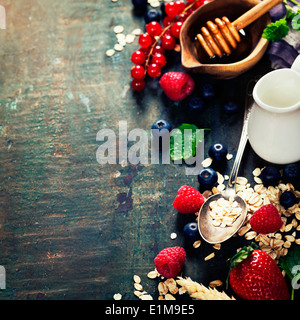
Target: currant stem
[
  {"x": 154, "y": 44},
  {"x": 163, "y": 32}
]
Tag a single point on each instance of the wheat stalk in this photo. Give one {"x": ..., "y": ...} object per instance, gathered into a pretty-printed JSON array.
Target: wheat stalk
[{"x": 198, "y": 291}]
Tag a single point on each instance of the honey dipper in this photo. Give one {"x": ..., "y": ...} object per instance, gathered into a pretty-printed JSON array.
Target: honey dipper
[{"x": 223, "y": 36}]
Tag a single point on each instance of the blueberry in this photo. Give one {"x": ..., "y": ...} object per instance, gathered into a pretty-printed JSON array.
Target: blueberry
[
  {"x": 207, "y": 91},
  {"x": 160, "y": 125},
  {"x": 207, "y": 178},
  {"x": 191, "y": 231},
  {"x": 196, "y": 104},
  {"x": 270, "y": 176},
  {"x": 230, "y": 107},
  {"x": 152, "y": 15},
  {"x": 140, "y": 6},
  {"x": 291, "y": 173},
  {"x": 218, "y": 152},
  {"x": 287, "y": 199}
]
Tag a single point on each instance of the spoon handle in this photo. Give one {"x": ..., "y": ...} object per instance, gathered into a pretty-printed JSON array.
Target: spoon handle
[{"x": 244, "y": 137}]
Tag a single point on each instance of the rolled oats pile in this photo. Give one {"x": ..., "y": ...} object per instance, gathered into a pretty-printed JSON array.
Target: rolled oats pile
[
  {"x": 275, "y": 244},
  {"x": 224, "y": 212}
]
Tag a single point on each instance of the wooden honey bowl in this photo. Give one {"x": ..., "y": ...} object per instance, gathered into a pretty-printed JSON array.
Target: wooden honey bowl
[{"x": 246, "y": 56}]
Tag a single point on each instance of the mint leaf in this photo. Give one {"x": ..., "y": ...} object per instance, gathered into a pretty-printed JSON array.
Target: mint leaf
[
  {"x": 184, "y": 141},
  {"x": 176, "y": 152},
  {"x": 296, "y": 21},
  {"x": 291, "y": 265},
  {"x": 276, "y": 30},
  {"x": 288, "y": 262}
]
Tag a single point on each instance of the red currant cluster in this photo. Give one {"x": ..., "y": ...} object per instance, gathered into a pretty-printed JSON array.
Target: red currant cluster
[{"x": 150, "y": 57}]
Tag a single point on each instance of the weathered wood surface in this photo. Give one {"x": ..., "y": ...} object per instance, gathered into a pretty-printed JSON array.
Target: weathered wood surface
[{"x": 71, "y": 228}]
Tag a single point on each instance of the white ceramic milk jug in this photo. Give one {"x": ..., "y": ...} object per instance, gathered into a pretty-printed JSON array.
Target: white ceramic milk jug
[{"x": 274, "y": 122}]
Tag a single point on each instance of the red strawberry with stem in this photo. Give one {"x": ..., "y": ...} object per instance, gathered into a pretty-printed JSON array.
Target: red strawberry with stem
[
  {"x": 189, "y": 200},
  {"x": 177, "y": 85},
  {"x": 254, "y": 275},
  {"x": 266, "y": 219}
]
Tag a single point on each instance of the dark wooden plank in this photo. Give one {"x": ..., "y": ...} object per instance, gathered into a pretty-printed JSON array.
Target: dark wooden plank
[{"x": 71, "y": 228}]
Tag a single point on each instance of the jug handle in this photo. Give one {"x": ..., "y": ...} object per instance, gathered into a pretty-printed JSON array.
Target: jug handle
[{"x": 296, "y": 64}]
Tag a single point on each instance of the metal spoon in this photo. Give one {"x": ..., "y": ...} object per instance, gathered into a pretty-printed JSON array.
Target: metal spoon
[{"x": 208, "y": 231}]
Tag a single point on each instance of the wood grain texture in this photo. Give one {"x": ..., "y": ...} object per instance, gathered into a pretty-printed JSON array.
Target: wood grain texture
[{"x": 69, "y": 227}]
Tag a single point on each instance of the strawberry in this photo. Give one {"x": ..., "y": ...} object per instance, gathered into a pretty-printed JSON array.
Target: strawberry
[
  {"x": 266, "y": 219},
  {"x": 189, "y": 200},
  {"x": 177, "y": 85},
  {"x": 170, "y": 261},
  {"x": 256, "y": 276}
]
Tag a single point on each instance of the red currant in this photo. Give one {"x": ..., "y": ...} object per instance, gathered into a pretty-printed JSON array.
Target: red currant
[
  {"x": 138, "y": 85},
  {"x": 167, "y": 21},
  {"x": 175, "y": 29},
  {"x": 145, "y": 51},
  {"x": 138, "y": 57},
  {"x": 145, "y": 40},
  {"x": 168, "y": 42},
  {"x": 138, "y": 72},
  {"x": 199, "y": 3},
  {"x": 167, "y": 31},
  {"x": 158, "y": 49},
  {"x": 180, "y": 6},
  {"x": 153, "y": 28},
  {"x": 183, "y": 16},
  {"x": 171, "y": 9},
  {"x": 154, "y": 70},
  {"x": 159, "y": 59}
]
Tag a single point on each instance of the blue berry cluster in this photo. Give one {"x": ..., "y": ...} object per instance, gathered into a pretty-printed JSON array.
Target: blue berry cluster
[{"x": 271, "y": 176}]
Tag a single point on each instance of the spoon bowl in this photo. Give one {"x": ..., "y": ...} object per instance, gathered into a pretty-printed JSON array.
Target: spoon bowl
[{"x": 208, "y": 231}]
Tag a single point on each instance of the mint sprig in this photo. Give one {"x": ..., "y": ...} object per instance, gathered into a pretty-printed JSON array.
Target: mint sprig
[
  {"x": 184, "y": 141},
  {"x": 277, "y": 30}
]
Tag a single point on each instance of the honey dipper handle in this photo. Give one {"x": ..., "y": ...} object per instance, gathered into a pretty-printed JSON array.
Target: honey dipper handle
[{"x": 255, "y": 13}]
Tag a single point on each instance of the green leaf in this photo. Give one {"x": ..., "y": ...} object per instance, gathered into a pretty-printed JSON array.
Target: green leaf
[
  {"x": 296, "y": 21},
  {"x": 291, "y": 265},
  {"x": 276, "y": 30},
  {"x": 288, "y": 262},
  {"x": 183, "y": 143}
]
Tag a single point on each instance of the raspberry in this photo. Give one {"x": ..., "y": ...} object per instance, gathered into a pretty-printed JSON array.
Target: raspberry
[
  {"x": 266, "y": 219},
  {"x": 170, "y": 261},
  {"x": 177, "y": 85},
  {"x": 189, "y": 200}
]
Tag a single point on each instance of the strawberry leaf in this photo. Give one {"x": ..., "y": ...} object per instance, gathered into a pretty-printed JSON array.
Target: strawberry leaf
[{"x": 242, "y": 255}]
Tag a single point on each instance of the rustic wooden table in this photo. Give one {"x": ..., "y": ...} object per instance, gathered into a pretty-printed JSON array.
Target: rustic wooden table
[{"x": 71, "y": 228}]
